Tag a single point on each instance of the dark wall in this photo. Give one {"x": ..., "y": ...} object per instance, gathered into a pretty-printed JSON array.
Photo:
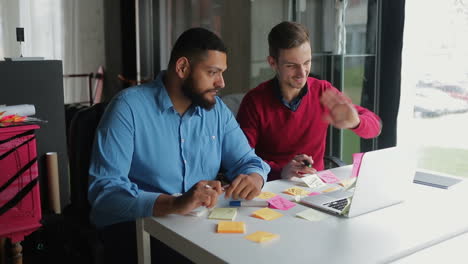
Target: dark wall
[
  {"x": 41, "y": 83},
  {"x": 120, "y": 44}
]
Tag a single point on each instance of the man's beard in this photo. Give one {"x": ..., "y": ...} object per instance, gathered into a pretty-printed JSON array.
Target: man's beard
[{"x": 197, "y": 98}]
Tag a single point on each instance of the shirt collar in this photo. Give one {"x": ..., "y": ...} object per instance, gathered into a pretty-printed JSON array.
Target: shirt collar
[
  {"x": 162, "y": 97},
  {"x": 294, "y": 104},
  {"x": 164, "y": 101}
]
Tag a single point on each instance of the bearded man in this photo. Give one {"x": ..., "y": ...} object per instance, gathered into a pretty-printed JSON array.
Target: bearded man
[{"x": 170, "y": 136}]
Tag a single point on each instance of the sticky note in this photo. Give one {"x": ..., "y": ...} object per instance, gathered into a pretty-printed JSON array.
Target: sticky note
[
  {"x": 312, "y": 215},
  {"x": 261, "y": 236},
  {"x": 312, "y": 181},
  {"x": 296, "y": 191},
  {"x": 231, "y": 227},
  {"x": 347, "y": 182},
  {"x": 266, "y": 214},
  {"x": 330, "y": 189},
  {"x": 279, "y": 202},
  {"x": 266, "y": 195},
  {"x": 223, "y": 213},
  {"x": 328, "y": 176},
  {"x": 357, "y": 158}
]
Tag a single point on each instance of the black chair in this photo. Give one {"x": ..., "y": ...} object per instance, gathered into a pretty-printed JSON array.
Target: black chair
[
  {"x": 331, "y": 162},
  {"x": 85, "y": 240}
]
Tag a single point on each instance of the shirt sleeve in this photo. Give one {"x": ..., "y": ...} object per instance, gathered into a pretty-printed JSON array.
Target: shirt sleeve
[
  {"x": 113, "y": 197},
  {"x": 370, "y": 125},
  {"x": 248, "y": 119},
  {"x": 238, "y": 157}
]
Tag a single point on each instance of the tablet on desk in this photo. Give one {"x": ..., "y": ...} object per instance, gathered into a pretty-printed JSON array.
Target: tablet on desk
[{"x": 435, "y": 180}]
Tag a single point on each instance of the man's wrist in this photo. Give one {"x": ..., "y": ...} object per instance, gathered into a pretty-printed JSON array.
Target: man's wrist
[
  {"x": 165, "y": 204},
  {"x": 357, "y": 125},
  {"x": 260, "y": 179}
]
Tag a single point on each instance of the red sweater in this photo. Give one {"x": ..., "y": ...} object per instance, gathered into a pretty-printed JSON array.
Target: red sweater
[{"x": 278, "y": 133}]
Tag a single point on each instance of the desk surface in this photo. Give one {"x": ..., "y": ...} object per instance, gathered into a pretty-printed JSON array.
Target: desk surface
[{"x": 424, "y": 219}]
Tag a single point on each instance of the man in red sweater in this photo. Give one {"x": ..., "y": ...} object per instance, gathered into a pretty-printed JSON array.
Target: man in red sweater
[{"x": 286, "y": 118}]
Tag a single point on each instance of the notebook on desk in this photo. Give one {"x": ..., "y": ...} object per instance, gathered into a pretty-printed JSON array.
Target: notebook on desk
[{"x": 383, "y": 178}]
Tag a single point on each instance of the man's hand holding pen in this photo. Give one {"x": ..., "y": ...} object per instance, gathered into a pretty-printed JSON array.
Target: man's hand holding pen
[{"x": 301, "y": 164}]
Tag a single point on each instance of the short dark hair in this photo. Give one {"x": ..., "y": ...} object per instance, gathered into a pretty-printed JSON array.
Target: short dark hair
[
  {"x": 286, "y": 35},
  {"x": 194, "y": 43}
]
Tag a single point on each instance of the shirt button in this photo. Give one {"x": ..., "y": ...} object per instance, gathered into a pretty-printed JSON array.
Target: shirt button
[
  {"x": 183, "y": 140},
  {"x": 185, "y": 161},
  {"x": 213, "y": 137}
]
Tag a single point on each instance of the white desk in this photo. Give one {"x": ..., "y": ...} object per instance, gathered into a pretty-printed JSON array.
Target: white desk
[{"x": 377, "y": 237}]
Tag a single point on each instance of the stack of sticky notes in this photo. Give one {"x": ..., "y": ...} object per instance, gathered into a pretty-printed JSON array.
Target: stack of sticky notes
[
  {"x": 279, "y": 202},
  {"x": 312, "y": 181},
  {"x": 266, "y": 195},
  {"x": 231, "y": 227},
  {"x": 266, "y": 214},
  {"x": 261, "y": 236},
  {"x": 296, "y": 191},
  {"x": 312, "y": 215},
  {"x": 223, "y": 213}
]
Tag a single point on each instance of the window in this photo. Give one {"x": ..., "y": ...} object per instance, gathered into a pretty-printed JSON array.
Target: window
[{"x": 434, "y": 106}]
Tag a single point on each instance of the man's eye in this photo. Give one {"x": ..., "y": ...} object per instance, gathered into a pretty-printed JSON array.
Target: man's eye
[{"x": 211, "y": 73}]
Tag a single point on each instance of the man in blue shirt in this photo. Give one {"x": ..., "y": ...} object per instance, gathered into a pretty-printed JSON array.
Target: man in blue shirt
[{"x": 172, "y": 136}]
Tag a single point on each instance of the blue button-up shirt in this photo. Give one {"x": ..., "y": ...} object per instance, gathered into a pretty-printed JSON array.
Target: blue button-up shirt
[{"x": 144, "y": 147}]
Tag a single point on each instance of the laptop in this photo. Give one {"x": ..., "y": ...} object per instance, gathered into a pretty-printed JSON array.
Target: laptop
[{"x": 383, "y": 179}]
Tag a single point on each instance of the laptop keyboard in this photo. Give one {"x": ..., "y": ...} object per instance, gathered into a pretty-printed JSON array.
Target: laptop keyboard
[{"x": 338, "y": 204}]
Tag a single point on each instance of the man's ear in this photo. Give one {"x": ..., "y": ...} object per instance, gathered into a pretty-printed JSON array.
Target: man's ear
[
  {"x": 182, "y": 67},
  {"x": 273, "y": 63}
]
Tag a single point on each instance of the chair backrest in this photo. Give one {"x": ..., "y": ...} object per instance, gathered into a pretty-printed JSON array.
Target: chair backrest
[{"x": 81, "y": 136}]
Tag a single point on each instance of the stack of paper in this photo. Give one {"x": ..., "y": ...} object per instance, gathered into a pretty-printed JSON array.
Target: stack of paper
[
  {"x": 266, "y": 214},
  {"x": 231, "y": 227}
]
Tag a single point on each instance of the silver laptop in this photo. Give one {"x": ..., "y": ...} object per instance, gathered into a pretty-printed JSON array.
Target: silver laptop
[{"x": 383, "y": 179}]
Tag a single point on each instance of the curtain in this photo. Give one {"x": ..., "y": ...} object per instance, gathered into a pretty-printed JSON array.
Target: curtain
[{"x": 67, "y": 30}]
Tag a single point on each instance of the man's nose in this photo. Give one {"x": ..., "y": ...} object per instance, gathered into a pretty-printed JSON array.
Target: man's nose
[
  {"x": 219, "y": 83},
  {"x": 302, "y": 71}
]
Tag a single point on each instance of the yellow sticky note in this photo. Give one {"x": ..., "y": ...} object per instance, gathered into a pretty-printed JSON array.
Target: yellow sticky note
[
  {"x": 347, "y": 182},
  {"x": 231, "y": 227},
  {"x": 331, "y": 189},
  {"x": 266, "y": 214},
  {"x": 223, "y": 213},
  {"x": 261, "y": 236},
  {"x": 296, "y": 191},
  {"x": 312, "y": 215},
  {"x": 266, "y": 195}
]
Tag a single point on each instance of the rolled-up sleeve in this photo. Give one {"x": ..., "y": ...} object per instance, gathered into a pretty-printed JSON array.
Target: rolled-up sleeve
[
  {"x": 113, "y": 197},
  {"x": 238, "y": 157}
]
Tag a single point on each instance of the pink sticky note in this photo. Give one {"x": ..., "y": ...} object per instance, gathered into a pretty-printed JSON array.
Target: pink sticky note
[
  {"x": 328, "y": 177},
  {"x": 279, "y": 202},
  {"x": 313, "y": 193},
  {"x": 357, "y": 158}
]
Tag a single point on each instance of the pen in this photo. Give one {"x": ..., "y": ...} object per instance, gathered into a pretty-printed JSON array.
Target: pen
[
  {"x": 249, "y": 203},
  {"x": 306, "y": 163},
  {"x": 222, "y": 188}
]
